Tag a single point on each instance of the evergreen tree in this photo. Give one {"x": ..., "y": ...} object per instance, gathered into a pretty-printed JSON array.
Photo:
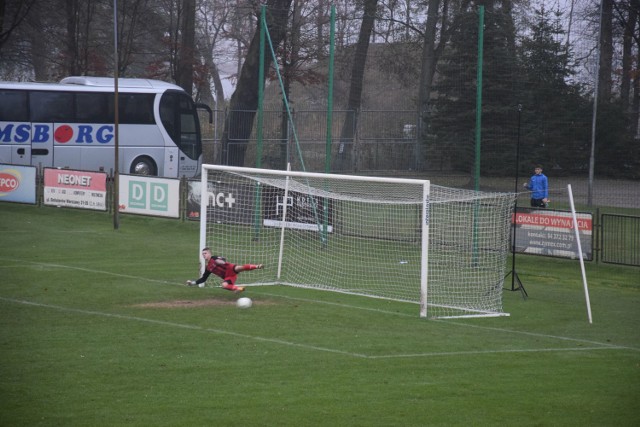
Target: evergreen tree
[
  {"x": 452, "y": 121},
  {"x": 555, "y": 116}
]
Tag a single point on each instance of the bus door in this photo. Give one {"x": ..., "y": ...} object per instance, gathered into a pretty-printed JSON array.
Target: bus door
[
  {"x": 15, "y": 145},
  {"x": 21, "y": 154},
  {"x": 16, "y": 154},
  {"x": 42, "y": 135},
  {"x": 171, "y": 162}
]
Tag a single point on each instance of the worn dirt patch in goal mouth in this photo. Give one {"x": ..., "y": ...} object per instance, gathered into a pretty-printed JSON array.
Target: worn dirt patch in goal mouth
[
  {"x": 210, "y": 302},
  {"x": 196, "y": 303}
]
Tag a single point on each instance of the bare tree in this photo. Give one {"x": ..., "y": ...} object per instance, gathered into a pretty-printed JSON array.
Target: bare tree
[
  {"x": 243, "y": 21},
  {"x": 430, "y": 52},
  {"x": 212, "y": 18},
  {"x": 11, "y": 16},
  {"x": 244, "y": 101},
  {"x": 630, "y": 38},
  {"x": 606, "y": 51},
  {"x": 343, "y": 156},
  {"x": 38, "y": 53},
  {"x": 186, "y": 53},
  {"x": 71, "y": 55}
]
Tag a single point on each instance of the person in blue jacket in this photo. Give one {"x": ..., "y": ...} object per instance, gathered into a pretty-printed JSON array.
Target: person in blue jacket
[{"x": 539, "y": 186}]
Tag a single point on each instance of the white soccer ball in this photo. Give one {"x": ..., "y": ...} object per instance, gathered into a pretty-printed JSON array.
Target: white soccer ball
[{"x": 244, "y": 302}]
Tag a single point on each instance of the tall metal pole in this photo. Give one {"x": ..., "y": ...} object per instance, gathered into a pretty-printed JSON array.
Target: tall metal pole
[
  {"x": 327, "y": 156},
  {"x": 515, "y": 209},
  {"x": 327, "y": 159},
  {"x": 514, "y": 274},
  {"x": 514, "y": 219},
  {"x": 478, "y": 127},
  {"x": 479, "y": 94},
  {"x": 257, "y": 214},
  {"x": 260, "y": 120},
  {"x": 116, "y": 174},
  {"x": 596, "y": 89}
]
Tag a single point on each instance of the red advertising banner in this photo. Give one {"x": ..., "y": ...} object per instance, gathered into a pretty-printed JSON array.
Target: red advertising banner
[
  {"x": 551, "y": 233},
  {"x": 548, "y": 219},
  {"x": 75, "y": 189}
]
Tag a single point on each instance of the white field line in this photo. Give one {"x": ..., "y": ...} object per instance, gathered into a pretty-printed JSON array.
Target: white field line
[
  {"x": 87, "y": 270},
  {"x": 182, "y": 325},
  {"x": 290, "y": 343},
  {"x": 594, "y": 345},
  {"x": 459, "y": 323}
]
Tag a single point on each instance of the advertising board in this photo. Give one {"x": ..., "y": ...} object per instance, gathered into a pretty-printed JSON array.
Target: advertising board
[
  {"x": 17, "y": 184},
  {"x": 75, "y": 189},
  {"x": 149, "y": 196},
  {"x": 551, "y": 232}
]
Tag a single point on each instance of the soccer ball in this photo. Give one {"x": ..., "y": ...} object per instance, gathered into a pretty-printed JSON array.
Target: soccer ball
[{"x": 244, "y": 302}]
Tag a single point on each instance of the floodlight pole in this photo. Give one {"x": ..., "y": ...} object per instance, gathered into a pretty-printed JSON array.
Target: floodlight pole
[
  {"x": 116, "y": 174},
  {"x": 327, "y": 156},
  {"x": 257, "y": 214},
  {"x": 514, "y": 274}
]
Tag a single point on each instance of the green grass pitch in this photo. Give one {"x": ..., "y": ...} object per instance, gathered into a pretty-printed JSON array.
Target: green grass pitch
[{"x": 97, "y": 328}]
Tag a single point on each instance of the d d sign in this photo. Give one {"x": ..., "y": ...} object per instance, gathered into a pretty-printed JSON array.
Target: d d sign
[{"x": 150, "y": 196}]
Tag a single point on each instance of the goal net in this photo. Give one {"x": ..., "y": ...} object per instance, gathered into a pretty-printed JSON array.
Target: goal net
[{"x": 399, "y": 239}]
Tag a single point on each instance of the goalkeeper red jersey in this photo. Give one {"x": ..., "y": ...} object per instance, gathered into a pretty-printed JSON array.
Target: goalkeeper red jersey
[{"x": 224, "y": 271}]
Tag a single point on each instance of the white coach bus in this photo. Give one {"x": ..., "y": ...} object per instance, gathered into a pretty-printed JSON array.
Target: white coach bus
[{"x": 71, "y": 125}]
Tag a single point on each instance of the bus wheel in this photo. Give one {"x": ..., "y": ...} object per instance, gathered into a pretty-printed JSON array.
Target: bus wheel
[{"x": 144, "y": 165}]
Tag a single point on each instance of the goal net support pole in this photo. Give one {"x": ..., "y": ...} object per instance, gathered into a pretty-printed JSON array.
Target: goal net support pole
[
  {"x": 424, "y": 259},
  {"x": 576, "y": 230},
  {"x": 389, "y": 238},
  {"x": 282, "y": 228}
]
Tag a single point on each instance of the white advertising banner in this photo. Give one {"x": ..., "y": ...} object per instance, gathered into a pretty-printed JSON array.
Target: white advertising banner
[
  {"x": 75, "y": 189},
  {"x": 17, "y": 184},
  {"x": 149, "y": 196}
]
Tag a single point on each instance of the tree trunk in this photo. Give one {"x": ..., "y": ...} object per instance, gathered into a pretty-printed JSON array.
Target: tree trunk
[
  {"x": 347, "y": 135},
  {"x": 71, "y": 62},
  {"x": 9, "y": 22},
  {"x": 42, "y": 69},
  {"x": 244, "y": 101},
  {"x": 635, "y": 102},
  {"x": 627, "y": 53},
  {"x": 606, "y": 52},
  {"x": 186, "y": 57},
  {"x": 427, "y": 71},
  {"x": 204, "y": 85}
]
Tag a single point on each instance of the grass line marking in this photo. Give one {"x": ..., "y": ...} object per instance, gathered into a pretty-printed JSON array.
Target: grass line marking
[
  {"x": 479, "y": 352},
  {"x": 90, "y": 270},
  {"x": 299, "y": 345},
  {"x": 535, "y": 334},
  {"x": 451, "y": 322},
  {"x": 182, "y": 325},
  {"x": 458, "y": 323}
]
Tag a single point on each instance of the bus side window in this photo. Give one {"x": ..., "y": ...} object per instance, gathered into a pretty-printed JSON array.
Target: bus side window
[
  {"x": 93, "y": 107},
  {"x": 136, "y": 109},
  {"x": 51, "y": 107},
  {"x": 13, "y": 106}
]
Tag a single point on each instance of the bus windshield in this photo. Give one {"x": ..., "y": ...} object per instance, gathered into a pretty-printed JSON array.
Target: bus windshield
[{"x": 179, "y": 118}]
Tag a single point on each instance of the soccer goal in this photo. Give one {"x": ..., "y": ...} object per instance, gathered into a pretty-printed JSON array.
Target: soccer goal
[{"x": 391, "y": 238}]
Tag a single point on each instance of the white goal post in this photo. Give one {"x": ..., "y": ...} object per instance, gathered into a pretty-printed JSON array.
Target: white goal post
[{"x": 390, "y": 238}]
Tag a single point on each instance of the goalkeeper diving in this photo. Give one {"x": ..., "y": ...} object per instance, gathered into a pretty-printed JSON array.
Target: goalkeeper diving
[{"x": 227, "y": 271}]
